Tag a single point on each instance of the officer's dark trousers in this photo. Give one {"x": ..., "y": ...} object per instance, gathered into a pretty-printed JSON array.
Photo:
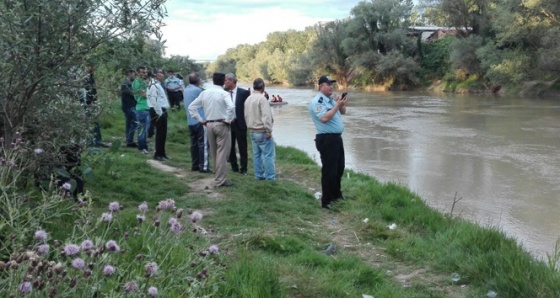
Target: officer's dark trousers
[
  {"x": 331, "y": 148},
  {"x": 161, "y": 131},
  {"x": 238, "y": 136}
]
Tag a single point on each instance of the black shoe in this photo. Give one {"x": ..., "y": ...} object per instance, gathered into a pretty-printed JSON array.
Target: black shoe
[
  {"x": 235, "y": 169},
  {"x": 244, "y": 173},
  {"x": 166, "y": 158},
  {"x": 195, "y": 169},
  {"x": 159, "y": 158},
  {"x": 132, "y": 145},
  {"x": 226, "y": 184}
]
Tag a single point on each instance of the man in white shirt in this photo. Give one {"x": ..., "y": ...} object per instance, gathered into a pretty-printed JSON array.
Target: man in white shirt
[
  {"x": 158, "y": 103},
  {"x": 218, "y": 109}
]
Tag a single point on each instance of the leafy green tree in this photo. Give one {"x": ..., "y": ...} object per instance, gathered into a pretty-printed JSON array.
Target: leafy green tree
[{"x": 329, "y": 55}]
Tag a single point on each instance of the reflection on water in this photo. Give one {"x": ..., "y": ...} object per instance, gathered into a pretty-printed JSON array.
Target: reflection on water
[{"x": 500, "y": 154}]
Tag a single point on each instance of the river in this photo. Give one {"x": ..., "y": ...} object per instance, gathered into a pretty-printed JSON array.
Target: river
[{"x": 500, "y": 154}]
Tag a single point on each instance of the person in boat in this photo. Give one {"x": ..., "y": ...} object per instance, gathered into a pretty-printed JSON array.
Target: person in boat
[
  {"x": 279, "y": 98},
  {"x": 274, "y": 98}
]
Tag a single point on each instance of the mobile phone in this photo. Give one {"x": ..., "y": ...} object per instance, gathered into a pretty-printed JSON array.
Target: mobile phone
[{"x": 344, "y": 94}]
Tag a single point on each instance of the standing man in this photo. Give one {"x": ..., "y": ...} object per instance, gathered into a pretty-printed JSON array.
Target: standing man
[
  {"x": 326, "y": 115},
  {"x": 129, "y": 108},
  {"x": 174, "y": 90},
  {"x": 238, "y": 125},
  {"x": 139, "y": 88},
  {"x": 259, "y": 122},
  {"x": 199, "y": 141},
  {"x": 157, "y": 100},
  {"x": 92, "y": 107},
  {"x": 219, "y": 109}
]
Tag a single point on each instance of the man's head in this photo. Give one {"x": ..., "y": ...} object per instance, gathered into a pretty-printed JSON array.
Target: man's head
[
  {"x": 158, "y": 74},
  {"x": 90, "y": 68},
  {"x": 231, "y": 81},
  {"x": 218, "y": 78},
  {"x": 326, "y": 85},
  {"x": 130, "y": 74},
  {"x": 258, "y": 85},
  {"x": 194, "y": 79},
  {"x": 141, "y": 72},
  {"x": 170, "y": 73}
]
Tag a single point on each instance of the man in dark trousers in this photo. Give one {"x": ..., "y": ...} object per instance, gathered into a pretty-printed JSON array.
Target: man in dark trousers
[
  {"x": 325, "y": 111},
  {"x": 238, "y": 125},
  {"x": 129, "y": 108}
]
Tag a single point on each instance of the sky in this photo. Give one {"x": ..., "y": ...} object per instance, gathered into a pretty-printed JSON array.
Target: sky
[{"x": 203, "y": 30}]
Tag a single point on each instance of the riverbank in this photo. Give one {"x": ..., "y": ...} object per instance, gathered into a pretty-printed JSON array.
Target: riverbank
[{"x": 273, "y": 234}]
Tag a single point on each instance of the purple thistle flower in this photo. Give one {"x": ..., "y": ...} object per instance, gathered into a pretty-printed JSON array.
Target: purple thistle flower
[
  {"x": 71, "y": 249},
  {"x": 196, "y": 216},
  {"x": 87, "y": 244},
  {"x": 38, "y": 151},
  {"x": 172, "y": 221},
  {"x": 114, "y": 206},
  {"x": 151, "y": 268},
  {"x": 78, "y": 263},
  {"x": 43, "y": 249},
  {"x": 41, "y": 235},
  {"x": 106, "y": 217},
  {"x": 143, "y": 207},
  {"x": 112, "y": 245},
  {"x": 26, "y": 287},
  {"x": 152, "y": 291},
  {"x": 213, "y": 249},
  {"x": 67, "y": 186},
  {"x": 130, "y": 286},
  {"x": 176, "y": 228},
  {"x": 108, "y": 270}
]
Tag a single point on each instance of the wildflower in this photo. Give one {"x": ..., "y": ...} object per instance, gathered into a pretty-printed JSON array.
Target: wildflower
[
  {"x": 166, "y": 204},
  {"x": 43, "y": 249},
  {"x": 176, "y": 228},
  {"x": 26, "y": 287},
  {"x": 41, "y": 235},
  {"x": 179, "y": 212},
  {"x": 106, "y": 217},
  {"x": 143, "y": 207},
  {"x": 38, "y": 151},
  {"x": 114, "y": 206},
  {"x": 213, "y": 249},
  {"x": 172, "y": 221},
  {"x": 153, "y": 291},
  {"x": 151, "y": 268},
  {"x": 78, "y": 263},
  {"x": 71, "y": 249},
  {"x": 196, "y": 216},
  {"x": 108, "y": 270},
  {"x": 131, "y": 286},
  {"x": 112, "y": 245},
  {"x": 140, "y": 217},
  {"x": 58, "y": 268},
  {"x": 66, "y": 186},
  {"x": 87, "y": 245}
]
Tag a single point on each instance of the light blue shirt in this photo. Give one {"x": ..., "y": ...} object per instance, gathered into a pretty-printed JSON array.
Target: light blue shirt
[
  {"x": 190, "y": 94},
  {"x": 318, "y": 107},
  {"x": 173, "y": 82}
]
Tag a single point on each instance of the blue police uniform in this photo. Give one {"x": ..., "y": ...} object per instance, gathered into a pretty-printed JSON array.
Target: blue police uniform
[
  {"x": 328, "y": 142},
  {"x": 175, "y": 97}
]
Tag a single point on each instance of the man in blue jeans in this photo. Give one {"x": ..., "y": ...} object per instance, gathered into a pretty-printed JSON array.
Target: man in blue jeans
[
  {"x": 199, "y": 142},
  {"x": 258, "y": 117},
  {"x": 129, "y": 108}
]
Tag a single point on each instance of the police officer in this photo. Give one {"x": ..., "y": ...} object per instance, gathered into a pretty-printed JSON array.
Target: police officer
[
  {"x": 326, "y": 115},
  {"x": 174, "y": 87}
]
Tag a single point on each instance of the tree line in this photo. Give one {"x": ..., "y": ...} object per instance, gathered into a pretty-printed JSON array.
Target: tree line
[{"x": 494, "y": 44}]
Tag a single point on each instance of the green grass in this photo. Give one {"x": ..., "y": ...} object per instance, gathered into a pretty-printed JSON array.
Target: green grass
[{"x": 272, "y": 233}]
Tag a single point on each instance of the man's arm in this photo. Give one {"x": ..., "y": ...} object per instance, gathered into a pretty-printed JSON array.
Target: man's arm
[
  {"x": 193, "y": 109},
  {"x": 230, "y": 107},
  {"x": 340, "y": 105},
  {"x": 152, "y": 99},
  {"x": 266, "y": 116}
]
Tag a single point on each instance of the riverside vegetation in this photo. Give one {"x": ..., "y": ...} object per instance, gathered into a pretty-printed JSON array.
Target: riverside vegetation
[{"x": 142, "y": 231}]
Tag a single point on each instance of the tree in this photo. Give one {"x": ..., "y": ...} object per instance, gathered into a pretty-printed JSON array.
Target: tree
[
  {"x": 46, "y": 44},
  {"x": 329, "y": 55}
]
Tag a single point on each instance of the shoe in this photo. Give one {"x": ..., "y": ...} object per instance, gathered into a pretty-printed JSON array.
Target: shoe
[
  {"x": 166, "y": 158},
  {"x": 195, "y": 169},
  {"x": 244, "y": 173},
  {"x": 132, "y": 145},
  {"x": 145, "y": 151},
  {"x": 226, "y": 184},
  {"x": 328, "y": 206},
  {"x": 159, "y": 158}
]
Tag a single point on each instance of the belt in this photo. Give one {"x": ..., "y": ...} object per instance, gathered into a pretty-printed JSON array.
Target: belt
[
  {"x": 218, "y": 120},
  {"x": 329, "y": 134}
]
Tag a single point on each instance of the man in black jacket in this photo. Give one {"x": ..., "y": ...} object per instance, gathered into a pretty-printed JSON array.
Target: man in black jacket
[
  {"x": 238, "y": 125},
  {"x": 129, "y": 108}
]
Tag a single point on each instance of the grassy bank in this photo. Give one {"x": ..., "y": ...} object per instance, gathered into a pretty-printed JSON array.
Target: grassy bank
[{"x": 274, "y": 234}]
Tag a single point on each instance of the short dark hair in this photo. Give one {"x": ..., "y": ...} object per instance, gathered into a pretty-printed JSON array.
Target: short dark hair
[
  {"x": 218, "y": 78},
  {"x": 194, "y": 78},
  {"x": 258, "y": 84},
  {"x": 129, "y": 71},
  {"x": 140, "y": 67}
]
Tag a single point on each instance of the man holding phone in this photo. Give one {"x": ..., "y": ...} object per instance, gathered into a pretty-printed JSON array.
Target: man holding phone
[{"x": 326, "y": 111}]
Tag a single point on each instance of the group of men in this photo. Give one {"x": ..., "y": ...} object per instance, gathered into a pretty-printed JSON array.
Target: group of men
[{"x": 220, "y": 117}]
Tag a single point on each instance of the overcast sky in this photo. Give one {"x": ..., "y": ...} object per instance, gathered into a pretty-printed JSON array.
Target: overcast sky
[{"x": 205, "y": 29}]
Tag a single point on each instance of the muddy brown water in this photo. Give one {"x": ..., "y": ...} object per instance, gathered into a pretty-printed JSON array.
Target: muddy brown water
[{"x": 501, "y": 154}]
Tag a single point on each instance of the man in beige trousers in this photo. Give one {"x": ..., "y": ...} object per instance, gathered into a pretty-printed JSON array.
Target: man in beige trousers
[{"x": 218, "y": 109}]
